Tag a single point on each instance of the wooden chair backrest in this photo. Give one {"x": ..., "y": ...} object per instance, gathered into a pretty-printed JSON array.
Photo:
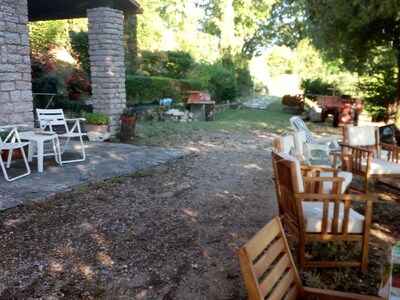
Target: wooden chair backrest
[{"x": 267, "y": 265}]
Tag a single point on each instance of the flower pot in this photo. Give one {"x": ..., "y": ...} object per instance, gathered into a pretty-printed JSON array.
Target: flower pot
[
  {"x": 127, "y": 128},
  {"x": 127, "y": 119},
  {"x": 16, "y": 153},
  {"x": 96, "y": 128},
  {"x": 75, "y": 96}
]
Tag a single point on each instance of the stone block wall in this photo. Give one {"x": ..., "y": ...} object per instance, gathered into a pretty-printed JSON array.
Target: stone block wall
[
  {"x": 16, "y": 103},
  {"x": 107, "y": 64}
]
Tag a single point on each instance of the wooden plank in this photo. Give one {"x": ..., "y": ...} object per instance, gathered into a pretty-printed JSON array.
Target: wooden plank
[
  {"x": 273, "y": 277},
  {"x": 329, "y": 294},
  {"x": 283, "y": 286},
  {"x": 261, "y": 240},
  {"x": 268, "y": 257},
  {"x": 293, "y": 293}
]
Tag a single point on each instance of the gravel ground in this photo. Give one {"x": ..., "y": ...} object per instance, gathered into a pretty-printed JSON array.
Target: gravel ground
[{"x": 167, "y": 232}]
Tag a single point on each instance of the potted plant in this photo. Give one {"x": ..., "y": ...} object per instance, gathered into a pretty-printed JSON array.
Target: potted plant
[
  {"x": 96, "y": 122},
  {"x": 128, "y": 118},
  {"x": 77, "y": 86},
  {"x": 129, "y": 114}
]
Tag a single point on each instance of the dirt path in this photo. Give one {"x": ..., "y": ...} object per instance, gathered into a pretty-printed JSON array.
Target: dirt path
[{"x": 168, "y": 232}]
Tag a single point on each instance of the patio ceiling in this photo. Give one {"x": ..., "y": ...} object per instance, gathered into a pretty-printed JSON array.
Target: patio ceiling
[{"x": 40, "y": 10}]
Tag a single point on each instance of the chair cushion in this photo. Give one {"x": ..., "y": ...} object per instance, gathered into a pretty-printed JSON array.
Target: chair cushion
[
  {"x": 286, "y": 142},
  {"x": 360, "y": 135},
  {"x": 312, "y": 212},
  {"x": 299, "y": 140},
  {"x": 348, "y": 177},
  {"x": 299, "y": 177},
  {"x": 381, "y": 166}
]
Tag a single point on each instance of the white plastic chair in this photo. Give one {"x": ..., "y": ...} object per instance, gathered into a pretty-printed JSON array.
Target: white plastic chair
[
  {"x": 10, "y": 143},
  {"x": 48, "y": 118},
  {"x": 298, "y": 124}
]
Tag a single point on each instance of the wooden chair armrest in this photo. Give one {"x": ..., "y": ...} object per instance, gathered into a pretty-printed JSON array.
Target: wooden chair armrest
[
  {"x": 311, "y": 170},
  {"x": 370, "y": 197},
  {"x": 357, "y": 148},
  {"x": 329, "y": 294}
]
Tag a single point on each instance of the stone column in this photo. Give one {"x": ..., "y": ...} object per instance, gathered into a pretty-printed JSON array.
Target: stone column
[
  {"x": 16, "y": 103},
  {"x": 107, "y": 66}
]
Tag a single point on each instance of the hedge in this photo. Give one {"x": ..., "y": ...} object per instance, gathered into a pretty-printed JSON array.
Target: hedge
[{"x": 150, "y": 90}]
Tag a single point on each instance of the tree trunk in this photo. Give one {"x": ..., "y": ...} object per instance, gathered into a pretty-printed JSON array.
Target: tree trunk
[{"x": 397, "y": 118}]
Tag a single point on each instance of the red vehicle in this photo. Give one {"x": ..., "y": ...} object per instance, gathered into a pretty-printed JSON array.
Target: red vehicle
[{"x": 345, "y": 110}]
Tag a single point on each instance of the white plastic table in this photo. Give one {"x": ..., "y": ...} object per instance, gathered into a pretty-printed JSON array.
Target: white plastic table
[{"x": 39, "y": 139}]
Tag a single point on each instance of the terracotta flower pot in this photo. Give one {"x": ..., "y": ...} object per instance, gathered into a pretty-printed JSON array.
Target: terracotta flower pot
[
  {"x": 75, "y": 96},
  {"x": 16, "y": 153},
  {"x": 127, "y": 119}
]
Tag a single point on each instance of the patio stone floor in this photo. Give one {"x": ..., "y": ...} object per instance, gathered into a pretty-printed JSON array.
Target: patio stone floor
[{"x": 103, "y": 160}]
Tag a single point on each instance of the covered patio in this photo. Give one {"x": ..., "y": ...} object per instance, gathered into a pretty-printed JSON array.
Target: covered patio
[{"x": 106, "y": 19}]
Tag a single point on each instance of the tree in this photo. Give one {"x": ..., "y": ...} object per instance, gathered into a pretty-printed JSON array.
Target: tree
[{"x": 356, "y": 31}]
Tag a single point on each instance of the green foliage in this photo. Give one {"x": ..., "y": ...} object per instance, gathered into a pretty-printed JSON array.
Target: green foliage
[
  {"x": 316, "y": 87},
  {"x": 148, "y": 90},
  {"x": 223, "y": 84},
  {"x": 171, "y": 64},
  {"x": 45, "y": 34},
  {"x": 280, "y": 61},
  {"x": 97, "y": 118},
  {"x": 380, "y": 92},
  {"x": 75, "y": 106},
  {"x": 80, "y": 49}
]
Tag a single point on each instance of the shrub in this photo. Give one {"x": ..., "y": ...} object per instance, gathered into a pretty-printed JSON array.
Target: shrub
[
  {"x": 316, "y": 87},
  {"x": 80, "y": 49},
  {"x": 97, "y": 118},
  {"x": 149, "y": 90},
  {"x": 219, "y": 80}
]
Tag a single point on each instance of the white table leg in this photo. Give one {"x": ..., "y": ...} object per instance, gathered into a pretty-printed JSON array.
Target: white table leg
[
  {"x": 31, "y": 150},
  {"x": 40, "y": 155}
]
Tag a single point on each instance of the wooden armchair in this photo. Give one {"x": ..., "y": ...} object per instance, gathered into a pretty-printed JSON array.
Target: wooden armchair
[
  {"x": 370, "y": 158},
  {"x": 269, "y": 271},
  {"x": 311, "y": 215}
]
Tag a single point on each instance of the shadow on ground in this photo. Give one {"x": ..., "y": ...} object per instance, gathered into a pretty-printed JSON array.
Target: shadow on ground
[{"x": 103, "y": 161}]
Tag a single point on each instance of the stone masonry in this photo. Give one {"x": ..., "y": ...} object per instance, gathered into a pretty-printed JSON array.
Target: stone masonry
[
  {"x": 16, "y": 103},
  {"x": 107, "y": 63}
]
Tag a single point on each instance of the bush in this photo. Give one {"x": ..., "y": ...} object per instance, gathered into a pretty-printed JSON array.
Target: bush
[
  {"x": 317, "y": 87},
  {"x": 217, "y": 79},
  {"x": 171, "y": 64},
  {"x": 150, "y": 90},
  {"x": 80, "y": 49},
  {"x": 97, "y": 118}
]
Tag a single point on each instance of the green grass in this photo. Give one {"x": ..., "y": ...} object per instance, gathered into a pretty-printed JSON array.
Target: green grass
[{"x": 163, "y": 133}]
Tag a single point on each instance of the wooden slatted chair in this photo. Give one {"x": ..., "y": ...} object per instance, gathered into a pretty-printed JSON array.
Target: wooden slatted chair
[
  {"x": 269, "y": 271},
  {"x": 311, "y": 215},
  {"x": 370, "y": 158}
]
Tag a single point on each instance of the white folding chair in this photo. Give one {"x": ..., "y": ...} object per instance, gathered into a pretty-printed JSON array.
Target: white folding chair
[
  {"x": 298, "y": 124},
  {"x": 49, "y": 118},
  {"x": 12, "y": 142}
]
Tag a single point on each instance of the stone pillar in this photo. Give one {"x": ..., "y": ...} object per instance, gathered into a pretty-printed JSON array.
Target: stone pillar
[
  {"x": 16, "y": 103},
  {"x": 107, "y": 66}
]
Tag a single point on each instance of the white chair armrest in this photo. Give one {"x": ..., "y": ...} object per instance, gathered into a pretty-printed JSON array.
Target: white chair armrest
[{"x": 75, "y": 119}]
